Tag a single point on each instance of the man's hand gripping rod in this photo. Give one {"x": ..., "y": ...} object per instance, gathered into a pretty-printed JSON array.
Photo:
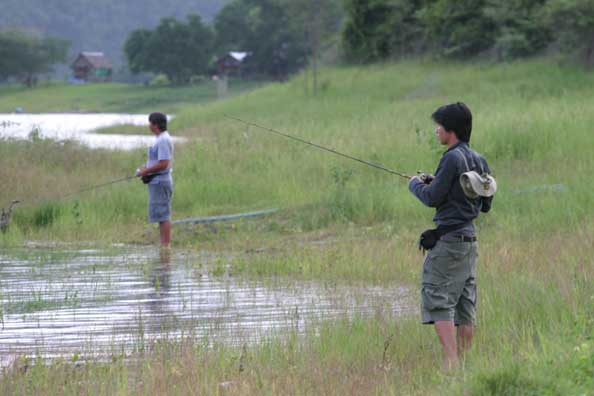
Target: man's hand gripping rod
[{"x": 377, "y": 166}]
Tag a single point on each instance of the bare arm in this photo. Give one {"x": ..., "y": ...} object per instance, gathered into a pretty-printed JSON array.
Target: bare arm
[{"x": 159, "y": 166}]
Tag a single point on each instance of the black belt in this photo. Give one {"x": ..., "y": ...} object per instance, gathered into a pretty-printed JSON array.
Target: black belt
[{"x": 462, "y": 238}]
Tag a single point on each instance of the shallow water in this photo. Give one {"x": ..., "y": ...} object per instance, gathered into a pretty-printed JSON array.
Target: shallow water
[
  {"x": 61, "y": 302},
  {"x": 78, "y": 127}
]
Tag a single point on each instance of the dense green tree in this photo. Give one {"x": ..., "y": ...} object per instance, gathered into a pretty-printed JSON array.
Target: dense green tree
[
  {"x": 364, "y": 34},
  {"x": 273, "y": 31},
  {"x": 458, "y": 28},
  {"x": 177, "y": 49},
  {"x": 260, "y": 27},
  {"x": 136, "y": 51},
  {"x": 520, "y": 29},
  {"x": 11, "y": 50},
  {"x": 234, "y": 26},
  {"x": 25, "y": 56},
  {"x": 378, "y": 29},
  {"x": 573, "y": 24}
]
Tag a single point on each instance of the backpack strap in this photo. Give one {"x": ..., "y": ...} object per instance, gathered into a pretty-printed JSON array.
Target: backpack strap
[{"x": 480, "y": 165}]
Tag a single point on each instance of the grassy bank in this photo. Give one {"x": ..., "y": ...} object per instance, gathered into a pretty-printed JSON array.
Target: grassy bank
[
  {"x": 535, "y": 337},
  {"x": 113, "y": 97},
  {"x": 345, "y": 222},
  {"x": 532, "y": 121}
]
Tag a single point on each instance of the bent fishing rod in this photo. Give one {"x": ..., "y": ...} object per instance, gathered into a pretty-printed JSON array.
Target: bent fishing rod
[{"x": 377, "y": 166}]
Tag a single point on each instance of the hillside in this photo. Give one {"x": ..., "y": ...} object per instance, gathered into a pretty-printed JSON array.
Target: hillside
[
  {"x": 529, "y": 119},
  {"x": 100, "y": 25}
]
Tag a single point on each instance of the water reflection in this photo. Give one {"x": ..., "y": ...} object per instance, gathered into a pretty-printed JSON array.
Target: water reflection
[
  {"x": 77, "y": 127},
  {"x": 89, "y": 301},
  {"x": 158, "y": 297}
]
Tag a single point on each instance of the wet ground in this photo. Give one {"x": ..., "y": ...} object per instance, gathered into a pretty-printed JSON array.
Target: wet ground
[{"x": 60, "y": 302}]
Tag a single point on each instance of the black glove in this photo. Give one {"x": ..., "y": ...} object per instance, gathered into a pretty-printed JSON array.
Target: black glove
[{"x": 146, "y": 179}]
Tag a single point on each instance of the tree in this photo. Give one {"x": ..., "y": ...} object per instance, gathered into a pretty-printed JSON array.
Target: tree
[
  {"x": 136, "y": 51},
  {"x": 317, "y": 22},
  {"x": 380, "y": 29},
  {"x": 24, "y": 56},
  {"x": 573, "y": 24},
  {"x": 11, "y": 51},
  {"x": 178, "y": 50},
  {"x": 264, "y": 28},
  {"x": 99, "y": 25},
  {"x": 234, "y": 26},
  {"x": 521, "y": 30},
  {"x": 458, "y": 28},
  {"x": 363, "y": 35}
]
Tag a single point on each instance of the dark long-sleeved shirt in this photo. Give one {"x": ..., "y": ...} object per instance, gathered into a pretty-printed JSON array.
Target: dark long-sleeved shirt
[{"x": 445, "y": 192}]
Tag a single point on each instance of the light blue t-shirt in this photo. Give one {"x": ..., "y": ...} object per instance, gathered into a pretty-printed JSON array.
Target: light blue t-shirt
[{"x": 162, "y": 149}]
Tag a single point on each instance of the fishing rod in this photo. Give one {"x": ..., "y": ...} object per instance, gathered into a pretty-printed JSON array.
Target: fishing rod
[
  {"x": 377, "y": 166},
  {"x": 62, "y": 196},
  {"x": 5, "y": 215},
  {"x": 90, "y": 188}
]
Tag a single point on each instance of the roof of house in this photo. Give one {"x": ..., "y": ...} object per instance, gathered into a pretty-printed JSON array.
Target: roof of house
[
  {"x": 96, "y": 59},
  {"x": 238, "y": 56}
]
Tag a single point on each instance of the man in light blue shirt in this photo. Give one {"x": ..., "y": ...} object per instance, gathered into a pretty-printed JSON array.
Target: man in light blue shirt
[{"x": 156, "y": 173}]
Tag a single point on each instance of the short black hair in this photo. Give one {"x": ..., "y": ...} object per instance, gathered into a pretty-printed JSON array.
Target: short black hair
[
  {"x": 455, "y": 117},
  {"x": 159, "y": 119}
]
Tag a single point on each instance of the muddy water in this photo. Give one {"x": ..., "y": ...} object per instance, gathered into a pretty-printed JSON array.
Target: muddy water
[{"x": 90, "y": 301}]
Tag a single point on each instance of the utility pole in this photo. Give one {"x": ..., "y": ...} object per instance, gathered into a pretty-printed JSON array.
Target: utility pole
[{"x": 315, "y": 10}]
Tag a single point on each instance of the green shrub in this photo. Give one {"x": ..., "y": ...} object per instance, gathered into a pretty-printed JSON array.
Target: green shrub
[
  {"x": 46, "y": 214},
  {"x": 508, "y": 381},
  {"x": 160, "y": 80}
]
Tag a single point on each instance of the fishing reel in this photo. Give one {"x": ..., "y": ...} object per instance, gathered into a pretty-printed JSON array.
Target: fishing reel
[{"x": 426, "y": 178}]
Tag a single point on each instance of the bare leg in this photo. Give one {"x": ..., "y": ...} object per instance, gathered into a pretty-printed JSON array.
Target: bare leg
[
  {"x": 446, "y": 332},
  {"x": 165, "y": 257},
  {"x": 465, "y": 335},
  {"x": 165, "y": 232}
]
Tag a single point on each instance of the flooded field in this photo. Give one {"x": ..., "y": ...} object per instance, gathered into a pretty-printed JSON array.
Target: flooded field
[
  {"x": 77, "y": 127},
  {"x": 92, "y": 302}
]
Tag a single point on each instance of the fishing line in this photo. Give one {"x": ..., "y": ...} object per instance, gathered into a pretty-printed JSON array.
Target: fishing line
[
  {"x": 5, "y": 215},
  {"x": 377, "y": 166},
  {"x": 83, "y": 190}
]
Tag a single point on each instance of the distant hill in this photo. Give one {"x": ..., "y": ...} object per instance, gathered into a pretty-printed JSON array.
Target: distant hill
[{"x": 98, "y": 25}]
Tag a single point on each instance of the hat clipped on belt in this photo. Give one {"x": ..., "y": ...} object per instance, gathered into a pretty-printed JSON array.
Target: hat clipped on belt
[{"x": 475, "y": 185}]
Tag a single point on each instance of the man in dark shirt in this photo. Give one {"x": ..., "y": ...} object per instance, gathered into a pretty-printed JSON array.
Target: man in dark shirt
[{"x": 448, "y": 294}]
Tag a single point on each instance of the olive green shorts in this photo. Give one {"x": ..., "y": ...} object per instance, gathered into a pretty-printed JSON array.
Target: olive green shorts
[{"x": 449, "y": 283}]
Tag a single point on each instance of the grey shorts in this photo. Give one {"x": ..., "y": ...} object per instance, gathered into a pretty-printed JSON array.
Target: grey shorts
[
  {"x": 449, "y": 283},
  {"x": 159, "y": 208}
]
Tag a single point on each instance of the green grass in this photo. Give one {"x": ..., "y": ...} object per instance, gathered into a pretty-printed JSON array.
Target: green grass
[
  {"x": 531, "y": 341},
  {"x": 123, "y": 130},
  {"x": 39, "y": 303},
  {"x": 531, "y": 121},
  {"x": 112, "y": 97},
  {"x": 346, "y": 222}
]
